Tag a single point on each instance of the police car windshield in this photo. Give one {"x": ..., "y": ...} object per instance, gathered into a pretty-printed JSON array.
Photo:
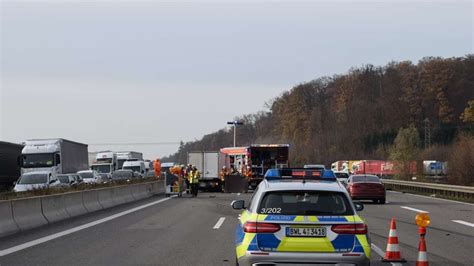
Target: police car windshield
[{"x": 305, "y": 203}]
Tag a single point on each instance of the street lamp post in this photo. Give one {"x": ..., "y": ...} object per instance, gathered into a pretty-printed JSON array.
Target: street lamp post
[{"x": 235, "y": 123}]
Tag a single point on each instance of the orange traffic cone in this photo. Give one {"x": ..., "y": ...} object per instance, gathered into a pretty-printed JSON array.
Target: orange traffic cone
[
  {"x": 422, "y": 255},
  {"x": 393, "y": 250}
]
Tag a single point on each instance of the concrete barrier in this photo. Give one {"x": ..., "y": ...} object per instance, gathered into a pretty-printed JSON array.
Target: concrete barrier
[
  {"x": 74, "y": 204},
  {"x": 23, "y": 214},
  {"x": 140, "y": 191},
  {"x": 7, "y": 224},
  {"x": 106, "y": 197},
  {"x": 27, "y": 213},
  {"x": 54, "y": 208},
  {"x": 123, "y": 195},
  {"x": 157, "y": 187},
  {"x": 90, "y": 200}
]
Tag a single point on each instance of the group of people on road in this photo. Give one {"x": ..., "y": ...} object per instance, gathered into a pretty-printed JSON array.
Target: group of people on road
[{"x": 192, "y": 175}]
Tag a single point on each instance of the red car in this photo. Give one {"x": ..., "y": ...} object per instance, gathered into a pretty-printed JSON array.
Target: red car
[{"x": 366, "y": 187}]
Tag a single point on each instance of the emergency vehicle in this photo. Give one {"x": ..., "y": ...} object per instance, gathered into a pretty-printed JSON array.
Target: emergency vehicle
[
  {"x": 301, "y": 216},
  {"x": 254, "y": 161}
]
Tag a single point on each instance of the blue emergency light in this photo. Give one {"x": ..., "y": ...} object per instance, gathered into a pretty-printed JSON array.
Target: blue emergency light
[{"x": 300, "y": 173}]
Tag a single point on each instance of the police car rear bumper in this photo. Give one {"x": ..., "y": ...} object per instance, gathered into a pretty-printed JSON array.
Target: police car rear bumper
[{"x": 303, "y": 258}]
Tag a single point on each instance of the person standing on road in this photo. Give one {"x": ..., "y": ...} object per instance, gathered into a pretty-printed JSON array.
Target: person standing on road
[
  {"x": 222, "y": 175},
  {"x": 194, "y": 181},
  {"x": 187, "y": 174}
]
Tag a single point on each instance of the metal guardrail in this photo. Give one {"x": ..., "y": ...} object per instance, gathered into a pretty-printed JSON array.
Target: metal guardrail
[{"x": 446, "y": 191}]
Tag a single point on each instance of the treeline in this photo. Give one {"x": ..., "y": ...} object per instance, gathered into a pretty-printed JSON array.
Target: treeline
[{"x": 357, "y": 115}]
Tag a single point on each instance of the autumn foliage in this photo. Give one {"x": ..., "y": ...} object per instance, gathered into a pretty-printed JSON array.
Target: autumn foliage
[{"x": 357, "y": 115}]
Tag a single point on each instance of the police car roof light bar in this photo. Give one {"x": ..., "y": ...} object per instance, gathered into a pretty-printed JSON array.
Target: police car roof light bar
[{"x": 300, "y": 173}]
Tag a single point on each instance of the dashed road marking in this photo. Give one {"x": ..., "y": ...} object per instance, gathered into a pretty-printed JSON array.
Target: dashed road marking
[
  {"x": 77, "y": 228},
  {"x": 463, "y": 223},
  {"x": 219, "y": 223},
  {"x": 413, "y": 209}
]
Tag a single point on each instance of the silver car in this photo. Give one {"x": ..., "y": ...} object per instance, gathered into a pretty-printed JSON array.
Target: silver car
[
  {"x": 301, "y": 219},
  {"x": 36, "y": 180}
]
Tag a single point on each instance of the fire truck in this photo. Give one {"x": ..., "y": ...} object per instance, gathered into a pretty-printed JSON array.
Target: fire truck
[{"x": 254, "y": 161}]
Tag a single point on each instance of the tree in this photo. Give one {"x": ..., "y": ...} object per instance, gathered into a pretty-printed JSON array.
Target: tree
[
  {"x": 461, "y": 162},
  {"x": 468, "y": 115},
  {"x": 405, "y": 150}
]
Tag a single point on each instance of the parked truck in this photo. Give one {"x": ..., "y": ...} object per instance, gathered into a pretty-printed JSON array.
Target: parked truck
[
  {"x": 124, "y": 156},
  {"x": 10, "y": 171},
  {"x": 207, "y": 163},
  {"x": 105, "y": 162},
  {"x": 254, "y": 161},
  {"x": 56, "y": 156},
  {"x": 383, "y": 169}
]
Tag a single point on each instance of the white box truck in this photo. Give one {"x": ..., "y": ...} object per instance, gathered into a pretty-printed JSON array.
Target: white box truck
[
  {"x": 105, "y": 162},
  {"x": 55, "y": 156},
  {"x": 207, "y": 163},
  {"x": 124, "y": 156}
]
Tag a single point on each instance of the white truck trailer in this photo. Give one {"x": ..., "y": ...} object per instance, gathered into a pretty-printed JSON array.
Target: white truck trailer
[{"x": 207, "y": 163}]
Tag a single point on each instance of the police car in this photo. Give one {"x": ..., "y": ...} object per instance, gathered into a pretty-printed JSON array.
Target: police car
[{"x": 301, "y": 216}]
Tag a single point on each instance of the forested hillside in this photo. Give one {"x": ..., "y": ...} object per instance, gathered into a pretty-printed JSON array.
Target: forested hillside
[{"x": 357, "y": 115}]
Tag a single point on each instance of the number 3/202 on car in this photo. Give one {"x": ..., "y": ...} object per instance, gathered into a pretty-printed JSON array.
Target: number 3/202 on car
[{"x": 270, "y": 210}]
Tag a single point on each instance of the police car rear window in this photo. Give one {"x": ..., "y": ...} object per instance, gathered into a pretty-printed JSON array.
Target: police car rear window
[{"x": 322, "y": 203}]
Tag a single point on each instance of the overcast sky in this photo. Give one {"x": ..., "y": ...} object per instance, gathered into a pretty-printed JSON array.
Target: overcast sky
[{"x": 130, "y": 71}]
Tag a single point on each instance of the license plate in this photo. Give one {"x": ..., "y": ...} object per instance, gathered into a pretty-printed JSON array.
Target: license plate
[{"x": 306, "y": 231}]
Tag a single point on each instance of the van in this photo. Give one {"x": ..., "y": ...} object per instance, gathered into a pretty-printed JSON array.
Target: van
[{"x": 135, "y": 166}]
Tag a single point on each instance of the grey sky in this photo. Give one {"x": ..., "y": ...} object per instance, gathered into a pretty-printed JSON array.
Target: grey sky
[{"x": 109, "y": 71}]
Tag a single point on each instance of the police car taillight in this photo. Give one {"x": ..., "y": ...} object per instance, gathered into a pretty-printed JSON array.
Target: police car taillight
[
  {"x": 253, "y": 227},
  {"x": 350, "y": 229}
]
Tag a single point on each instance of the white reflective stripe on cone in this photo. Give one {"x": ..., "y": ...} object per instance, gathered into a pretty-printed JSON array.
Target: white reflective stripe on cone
[
  {"x": 422, "y": 256},
  {"x": 393, "y": 233},
  {"x": 393, "y": 248}
]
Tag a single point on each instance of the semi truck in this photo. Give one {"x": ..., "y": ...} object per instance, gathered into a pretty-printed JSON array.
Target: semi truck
[
  {"x": 435, "y": 168},
  {"x": 207, "y": 163},
  {"x": 124, "y": 156},
  {"x": 56, "y": 156},
  {"x": 383, "y": 169},
  {"x": 105, "y": 162},
  {"x": 10, "y": 171},
  {"x": 253, "y": 161}
]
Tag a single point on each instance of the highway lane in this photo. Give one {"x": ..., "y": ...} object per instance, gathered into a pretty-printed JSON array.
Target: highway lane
[
  {"x": 187, "y": 231},
  {"x": 448, "y": 243}
]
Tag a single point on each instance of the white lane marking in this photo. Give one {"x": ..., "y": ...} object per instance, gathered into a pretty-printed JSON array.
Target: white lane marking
[
  {"x": 413, "y": 209},
  {"x": 427, "y": 197},
  {"x": 219, "y": 223},
  {"x": 76, "y": 229},
  {"x": 380, "y": 252},
  {"x": 463, "y": 223}
]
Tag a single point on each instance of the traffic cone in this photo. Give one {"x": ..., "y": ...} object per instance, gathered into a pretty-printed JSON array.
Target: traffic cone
[
  {"x": 422, "y": 255},
  {"x": 393, "y": 250}
]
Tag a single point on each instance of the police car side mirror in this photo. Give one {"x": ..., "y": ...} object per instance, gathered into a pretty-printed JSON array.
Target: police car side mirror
[
  {"x": 238, "y": 204},
  {"x": 359, "y": 206}
]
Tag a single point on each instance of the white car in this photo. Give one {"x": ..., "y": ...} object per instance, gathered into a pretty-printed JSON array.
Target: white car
[
  {"x": 90, "y": 177},
  {"x": 36, "y": 180}
]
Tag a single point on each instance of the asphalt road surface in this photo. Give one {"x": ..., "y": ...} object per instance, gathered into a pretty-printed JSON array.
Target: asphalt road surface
[{"x": 200, "y": 231}]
